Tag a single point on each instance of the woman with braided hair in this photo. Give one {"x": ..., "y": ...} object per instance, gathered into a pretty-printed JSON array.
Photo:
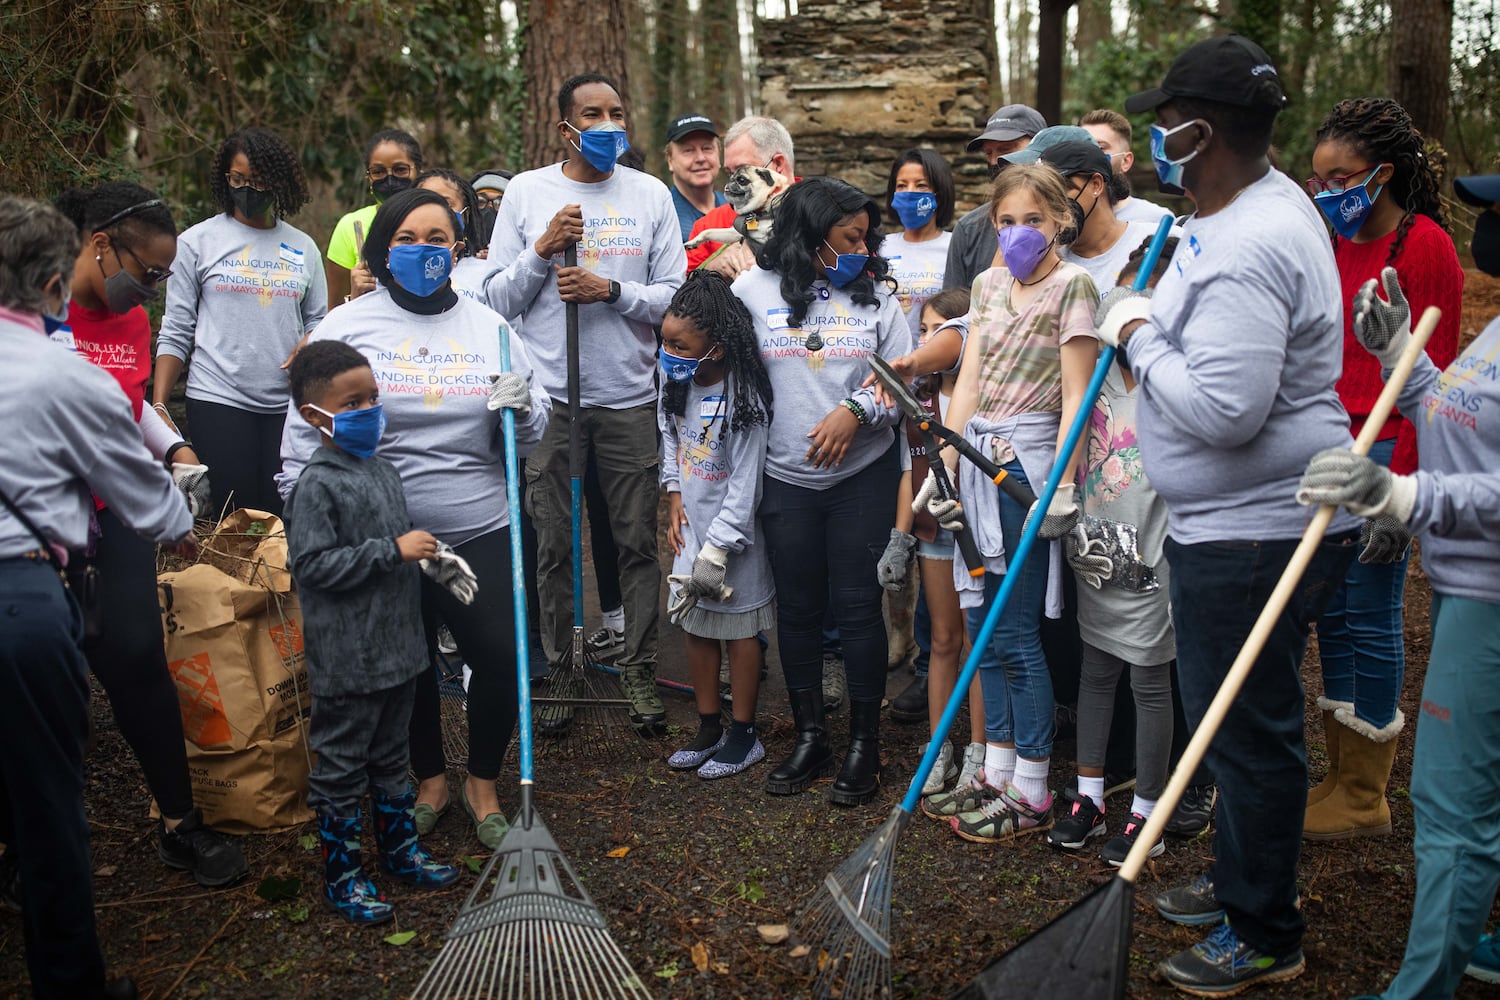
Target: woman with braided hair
[
  {"x": 715, "y": 414},
  {"x": 244, "y": 290},
  {"x": 1377, "y": 188}
]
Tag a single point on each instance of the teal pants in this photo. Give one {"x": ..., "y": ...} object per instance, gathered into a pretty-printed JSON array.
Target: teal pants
[{"x": 1455, "y": 794}]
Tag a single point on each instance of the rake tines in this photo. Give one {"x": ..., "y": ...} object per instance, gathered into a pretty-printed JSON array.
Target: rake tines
[
  {"x": 848, "y": 921},
  {"x": 581, "y": 711},
  {"x": 529, "y": 929},
  {"x": 453, "y": 709}
]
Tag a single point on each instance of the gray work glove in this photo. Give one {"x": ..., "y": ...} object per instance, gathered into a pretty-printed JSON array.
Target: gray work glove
[
  {"x": 451, "y": 570},
  {"x": 1086, "y": 556},
  {"x": 891, "y": 570},
  {"x": 1382, "y": 328},
  {"x": 1359, "y": 485},
  {"x": 1119, "y": 307},
  {"x": 949, "y": 513},
  {"x": 192, "y": 480},
  {"x": 510, "y": 390},
  {"x": 1062, "y": 514},
  {"x": 1383, "y": 539},
  {"x": 705, "y": 582}
]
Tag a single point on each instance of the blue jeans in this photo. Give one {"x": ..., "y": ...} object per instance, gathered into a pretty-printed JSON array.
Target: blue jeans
[
  {"x": 1257, "y": 757},
  {"x": 824, "y": 546},
  {"x": 1455, "y": 794},
  {"x": 1360, "y": 636},
  {"x": 1013, "y": 673}
]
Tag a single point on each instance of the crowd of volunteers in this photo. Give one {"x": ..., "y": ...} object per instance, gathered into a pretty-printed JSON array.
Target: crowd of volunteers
[{"x": 357, "y": 391}]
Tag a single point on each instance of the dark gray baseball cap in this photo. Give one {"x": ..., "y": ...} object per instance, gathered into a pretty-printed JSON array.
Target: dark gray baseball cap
[{"x": 1014, "y": 121}]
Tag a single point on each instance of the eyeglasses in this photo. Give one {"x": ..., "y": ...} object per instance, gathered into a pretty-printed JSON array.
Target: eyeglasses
[
  {"x": 490, "y": 201},
  {"x": 237, "y": 180},
  {"x": 401, "y": 170},
  {"x": 151, "y": 275},
  {"x": 1339, "y": 184}
]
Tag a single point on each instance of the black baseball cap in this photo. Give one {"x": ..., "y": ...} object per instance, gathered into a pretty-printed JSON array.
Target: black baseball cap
[
  {"x": 1014, "y": 121},
  {"x": 1230, "y": 69},
  {"x": 1481, "y": 191},
  {"x": 1073, "y": 158},
  {"x": 688, "y": 124}
]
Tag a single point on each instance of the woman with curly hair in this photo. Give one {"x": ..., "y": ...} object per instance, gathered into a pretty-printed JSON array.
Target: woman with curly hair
[
  {"x": 823, "y": 301},
  {"x": 245, "y": 289},
  {"x": 1376, "y": 187}
]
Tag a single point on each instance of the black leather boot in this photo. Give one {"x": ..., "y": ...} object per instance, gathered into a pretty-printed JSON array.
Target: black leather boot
[
  {"x": 911, "y": 704},
  {"x": 859, "y": 779},
  {"x": 811, "y": 757}
]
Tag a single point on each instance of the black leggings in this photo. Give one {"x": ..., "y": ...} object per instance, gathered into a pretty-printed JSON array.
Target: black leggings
[
  {"x": 242, "y": 450},
  {"x": 486, "y": 638},
  {"x": 131, "y": 662}
]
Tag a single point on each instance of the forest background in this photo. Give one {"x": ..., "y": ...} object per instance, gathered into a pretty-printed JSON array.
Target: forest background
[{"x": 147, "y": 90}]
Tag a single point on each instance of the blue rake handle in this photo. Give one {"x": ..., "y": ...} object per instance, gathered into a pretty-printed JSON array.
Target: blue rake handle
[
  {"x": 1028, "y": 538},
  {"x": 517, "y": 566}
]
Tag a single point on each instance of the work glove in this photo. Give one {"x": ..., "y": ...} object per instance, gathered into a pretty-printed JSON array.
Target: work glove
[
  {"x": 510, "y": 390},
  {"x": 1359, "y": 485},
  {"x": 891, "y": 570},
  {"x": 705, "y": 582},
  {"x": 192, "y": 480},
  {"x": 1382, "y": 328},
  {"x": 1119, "y": 307},
  {"x": 1061, "y": 515},
  {"x": 451, "y": 570},
  {"x": 1087, "y": 557},
  {"x": 1383, "y": 539},
  {"x": 949, "y": 513}
]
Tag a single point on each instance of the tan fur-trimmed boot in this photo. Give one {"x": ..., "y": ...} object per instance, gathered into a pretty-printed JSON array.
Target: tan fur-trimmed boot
[
  {"x": 1357, "y": 807},
  {"x": 1324, "y": 788},
  {"x": 900, "y": 620}
]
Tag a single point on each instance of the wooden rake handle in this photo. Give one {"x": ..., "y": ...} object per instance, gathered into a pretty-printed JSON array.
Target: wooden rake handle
[{"x": 1312, "y": 537}]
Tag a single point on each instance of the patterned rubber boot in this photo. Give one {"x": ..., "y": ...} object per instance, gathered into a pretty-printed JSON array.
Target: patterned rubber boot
[
  {"x": 401, "y": 854},
  {"x": 345, "y": 886}
]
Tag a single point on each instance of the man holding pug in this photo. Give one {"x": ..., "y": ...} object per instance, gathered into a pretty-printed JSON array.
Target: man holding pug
[
  {"x": 751, "y": 142},
  {"x": 693, "y": 164}
]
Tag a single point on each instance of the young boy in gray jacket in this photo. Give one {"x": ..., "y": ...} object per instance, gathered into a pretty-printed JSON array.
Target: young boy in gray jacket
[{"x": 352, "y": 555}]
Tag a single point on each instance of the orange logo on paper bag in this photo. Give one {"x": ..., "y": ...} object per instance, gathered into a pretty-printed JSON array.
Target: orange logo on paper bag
[
  {"x": 288, "y": 639},
  {"x": 203, "y": 719}
]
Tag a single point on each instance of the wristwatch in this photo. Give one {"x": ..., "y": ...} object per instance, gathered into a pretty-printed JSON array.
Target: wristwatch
[{"x": 614, "y": 292}]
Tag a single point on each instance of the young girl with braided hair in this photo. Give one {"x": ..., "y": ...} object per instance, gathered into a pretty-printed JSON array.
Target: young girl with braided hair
[
  {"x": 1377, "y": 188},
  {"x": 715, "y": 414}
]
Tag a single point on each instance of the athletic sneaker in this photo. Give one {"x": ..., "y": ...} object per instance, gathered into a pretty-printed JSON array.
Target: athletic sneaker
[
  {"x": 942, "y": 771},
  {"x": 211, "y": 857},
  {"x": 1083, "y": 822},
  {"x": 446, "y": 644},
  {"x": 834, "y": 685},
  {"x": 1484, "y": 963},
  {"x": 973, "y": 763},
  {"x": 1003, "y": 819},
  {"x": 1192, "y": 814},
  {"x": 1221, "y": 965},
  {"x": 1193, "y": 904},
  {"x": 964, "y": 797},
  {"x": 606, "y": 643},
  {"x": 1120, "y": 844}
]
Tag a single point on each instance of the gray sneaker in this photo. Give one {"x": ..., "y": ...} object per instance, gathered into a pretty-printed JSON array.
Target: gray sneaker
[
  {"x": 647, "y": 712},
  {"x": 1193, "y": 904},
  {"x": 833, "y": 682}
]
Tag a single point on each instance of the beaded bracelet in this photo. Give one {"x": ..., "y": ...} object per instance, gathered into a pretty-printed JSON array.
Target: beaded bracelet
[{"x": 857, "y": 410}]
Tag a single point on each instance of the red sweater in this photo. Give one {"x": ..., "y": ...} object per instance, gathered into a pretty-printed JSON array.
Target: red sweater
[
  {"x": 1430, "y": 276},
  {"x": 120, "y": 344},
  {"x": 718, "y": 217}
]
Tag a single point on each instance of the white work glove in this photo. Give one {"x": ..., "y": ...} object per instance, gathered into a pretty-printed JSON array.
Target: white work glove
[
  {"x": 510, "y": 390},
  {"x": 891, "y": 570},
  {"x": 1382, "y": 328},
  {"x": 1118, "y": 308},
  {"x": 1359, "y": 485},
  {"x": 1086, "y": 556},
  {"x": 705, "y": 582},
  {"x": 1383, "y": 539},
  {"x": 451, "y": 570},
  {"x": 949, "y": 513},
  {"x": 1061, "y": 515},
  {"x": 192, "y": 480}
]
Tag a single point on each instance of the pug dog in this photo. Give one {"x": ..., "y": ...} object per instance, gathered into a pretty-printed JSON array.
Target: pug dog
[{"x": 754, "y": 192}]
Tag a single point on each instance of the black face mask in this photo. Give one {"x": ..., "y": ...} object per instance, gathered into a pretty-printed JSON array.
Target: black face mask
[
  {"x": 388, "y": 185},
  {"x": 1486, "y": 244},
  {"x": 250, "y": 203},
  {"x": 996, "y": 167}
]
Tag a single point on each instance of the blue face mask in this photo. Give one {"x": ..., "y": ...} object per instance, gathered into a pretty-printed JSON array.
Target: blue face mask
[
  {"x": 846, "y": 267},
  {"x": 679, "y": 369},
  {"x": 914, "y": 208},
  {"x": 601, "y": 145},
  {"x": 53, "y": 323},
  {"x": 1347, "y": 210},
  {"x": 420, "y": 268},
  {"x": 1169, "y": 172},
  {"x": 356, "y": 431}
]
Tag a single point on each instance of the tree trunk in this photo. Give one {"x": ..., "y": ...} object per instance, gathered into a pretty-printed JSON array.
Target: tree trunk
[
  {"x": 1051, "y": 25},
  {"x": 1260, "y": 21},
  {"x": 561, "y": 39},
  {"x": 721, "y": 62},
  {"x": 1094, "y": 26},
  {"x": 1421, "y": 60}
]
